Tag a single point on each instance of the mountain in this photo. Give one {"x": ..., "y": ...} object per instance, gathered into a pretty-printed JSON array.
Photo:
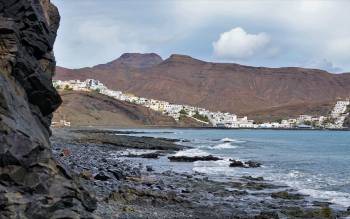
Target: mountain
[
  {"x": 240, "y": 89},
  {"x": 89, "y": 108},
  {"x": 132, "y": 60}
]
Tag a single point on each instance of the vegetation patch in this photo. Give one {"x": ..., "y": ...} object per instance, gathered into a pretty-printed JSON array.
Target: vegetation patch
[{"x": 201, "y": 117}]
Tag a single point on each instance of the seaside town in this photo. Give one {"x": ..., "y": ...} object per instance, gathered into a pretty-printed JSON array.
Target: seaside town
[{"x": 334, "y": 120}]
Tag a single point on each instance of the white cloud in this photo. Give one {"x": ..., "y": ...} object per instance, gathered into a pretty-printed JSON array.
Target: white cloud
[
  {"x": 299, "y": 31},
  {"x": 238, "y": 44},
  {"x": 316, "y": 29}
]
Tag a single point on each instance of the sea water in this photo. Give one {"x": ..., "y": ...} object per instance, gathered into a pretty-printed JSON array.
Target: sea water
[{"x": 316, "y": 163}]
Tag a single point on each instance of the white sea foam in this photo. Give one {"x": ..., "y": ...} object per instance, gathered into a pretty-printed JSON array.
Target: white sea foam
[
  {"x": 339, "y": 198},
  {"x": 311, "y": 185},
  {"x": 133, "y": 151},
  {"x": 213, "y": 167},
  {"x": 232, "y": 140},
  {"x": 225, "y": 146},
  {"x": 192, "y": 153}
]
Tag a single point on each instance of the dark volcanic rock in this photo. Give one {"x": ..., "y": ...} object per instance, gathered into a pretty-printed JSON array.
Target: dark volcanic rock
[
  {"x": 102, "y": 176},
  {"x": 125, "y": 141},
  {"x": 248, "y": 164},
  {"x": 193, "y": 159},
  {"x": 32, "y": 184},
  {"x": 286, "y": 195},
  {"x": 236, "y": 163},
  {"x": 253, "y": 164}
]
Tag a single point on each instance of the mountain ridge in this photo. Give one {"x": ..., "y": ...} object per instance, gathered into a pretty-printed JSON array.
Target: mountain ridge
[{"x": 220, "y": 86}]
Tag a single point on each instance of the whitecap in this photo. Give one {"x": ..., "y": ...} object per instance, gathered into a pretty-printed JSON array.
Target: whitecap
[
  {"x": 225, "y": 146},
  {"x": 232, "y": 140},
  {"x": 339, "y": 198},
  {"x": 213, "y": 167},
  {"x": 191, "y": 153}
]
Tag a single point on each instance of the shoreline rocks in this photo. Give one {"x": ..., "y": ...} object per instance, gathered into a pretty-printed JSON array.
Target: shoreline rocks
[
  {"x": 143, "y": 192},
  {"x": 110, "y": 139},
  {"x": 193, "y": 159}
]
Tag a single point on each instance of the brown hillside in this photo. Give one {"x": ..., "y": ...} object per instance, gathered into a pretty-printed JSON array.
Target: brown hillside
[
  {"x": 221, "y": 86},
  {"x": 85, "y": 109}
]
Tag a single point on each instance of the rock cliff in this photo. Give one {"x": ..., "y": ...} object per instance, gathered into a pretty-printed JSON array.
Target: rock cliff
[{"x": 32, "y": 184}]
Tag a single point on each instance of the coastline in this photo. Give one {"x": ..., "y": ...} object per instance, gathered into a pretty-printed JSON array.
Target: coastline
[
  {"x": 126, "y": 187},
  {"x": 219, "y": 128}
]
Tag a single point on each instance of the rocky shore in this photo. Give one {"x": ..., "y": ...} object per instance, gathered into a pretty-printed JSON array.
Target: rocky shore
[{"x": 126, "y": 187}]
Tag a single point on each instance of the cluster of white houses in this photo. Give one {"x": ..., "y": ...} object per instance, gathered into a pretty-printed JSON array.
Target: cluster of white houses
[{"x": 217, "y": 119}]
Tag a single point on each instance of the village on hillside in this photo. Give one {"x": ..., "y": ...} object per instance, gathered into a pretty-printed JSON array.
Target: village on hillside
[{"x": 335, "y": 120}]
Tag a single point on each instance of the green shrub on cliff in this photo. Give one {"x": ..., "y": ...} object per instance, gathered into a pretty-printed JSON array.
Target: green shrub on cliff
[
  {"x": 67, "y": 88},
  {"x": 201, "y": 117},
  {"x": 183, "y": 112}
]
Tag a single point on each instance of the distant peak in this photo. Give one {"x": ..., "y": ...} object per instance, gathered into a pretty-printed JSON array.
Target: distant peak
[
  {"x": 133, "y": 60},
  {"x": 183, "y": 58},
  {"x": 140, "y": 55}
]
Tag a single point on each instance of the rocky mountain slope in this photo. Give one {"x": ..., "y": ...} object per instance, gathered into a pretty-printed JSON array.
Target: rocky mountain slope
[
  {"x": 93, "y": 109},
  {"x": 220, "y": 86},
  {"x": 85, "y": 109},
  {"x": 32, "y": 184}
]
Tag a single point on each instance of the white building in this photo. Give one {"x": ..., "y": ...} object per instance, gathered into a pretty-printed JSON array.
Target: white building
[
  {"x": 340, "y": 108},
  {"x": 95, "y": 85}
]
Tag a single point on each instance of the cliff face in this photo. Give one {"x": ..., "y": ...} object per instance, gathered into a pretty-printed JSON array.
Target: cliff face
[{"x": 32, "y": 184}]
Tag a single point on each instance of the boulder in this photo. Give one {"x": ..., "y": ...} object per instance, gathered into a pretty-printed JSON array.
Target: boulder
[
  {"x": 248, "y": 164},
  {"x": 236, "y": 163}
]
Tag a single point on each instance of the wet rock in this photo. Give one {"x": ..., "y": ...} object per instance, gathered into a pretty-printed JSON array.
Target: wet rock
[
  {"x": 267, "y": 215},
  {"x": 149, "y": 169},
  {"x": 131, "y": 195},
  {"x": 102, "y": 176},
  {"x": 287, "y": 195},
  {"x": 117, "y": 173},
  {"x": 248, "y": 164},
  {"x": 125, "y": 141},
  {"x": 236, "y": 163},
  {"x": 193, "y": 159},
  {"x": 321, "y": 204},
  {"x": 252, "y": 164},
  {"x": 251, "y": 178},
  {"x": 255, "y": 185},
  {"x": 147, "y": 155}
]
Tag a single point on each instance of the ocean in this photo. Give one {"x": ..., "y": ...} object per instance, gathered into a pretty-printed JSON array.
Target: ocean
[{"x": 316, "y": 163}]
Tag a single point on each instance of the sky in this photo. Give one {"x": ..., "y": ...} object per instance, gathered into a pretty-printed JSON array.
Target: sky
[{"x": 310, "y": 33}]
